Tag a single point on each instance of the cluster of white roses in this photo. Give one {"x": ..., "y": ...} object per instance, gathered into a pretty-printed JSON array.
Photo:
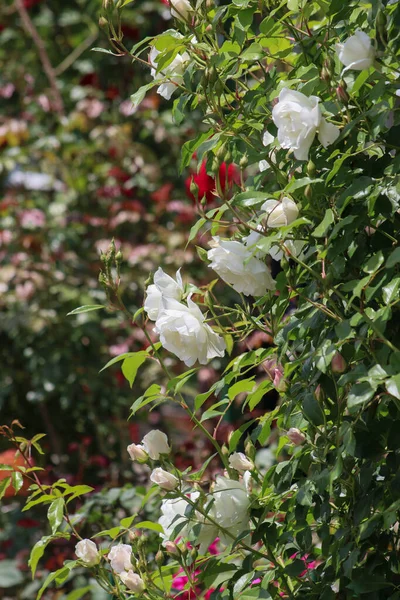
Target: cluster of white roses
[
  {"x": 154, "y": 445},
  {"x": 225, "y": 511},
  {"x": 181, "y": 327},
  {"x": 120, "y": 559},
  {"x": 240, "y": 264}
]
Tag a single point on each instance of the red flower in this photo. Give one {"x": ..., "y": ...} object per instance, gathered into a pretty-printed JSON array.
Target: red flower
[{"x": 206, "y": 183}]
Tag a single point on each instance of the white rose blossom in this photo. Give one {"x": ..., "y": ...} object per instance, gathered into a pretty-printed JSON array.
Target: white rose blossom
[
  {"x": 120, "y": 558},
  {"x": 132, "y": 581},
  {"x": 240, "y": 462},
  {"x": 182, "y": 331},
  {"x": 172, "y": 72},
  {"x": 280, "y": 212},
  {"x": 166, "y": 481},
  {"x": 164, "y": 286},
  {"x": 173, "y": 518},
  {"x": 236, "y": 265},
  {"x": 228, "y": 508},
  {"x": 87, "y": 552},
  {"x": 180, "y": 9},
  {"x": 357, "y": 52},
  {"x": 298, "y": 119},
  {"x": 155, "y": 443}
]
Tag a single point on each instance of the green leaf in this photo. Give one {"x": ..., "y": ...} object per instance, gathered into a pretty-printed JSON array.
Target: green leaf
[
  {"x": 17, "y": 480},
  {"x": 247, "y": 199},
  {"x": 297, "y": 184},
  {"x": 360, "y": 394},
  {"x": 373, "y": 263},
  {"x": 151, "y": 394},
  {"x": 312, "y": 410},
  {"x": 4, "y": 486},
  {"x": 255, "y": 397},
  {"x": 196, "y": 228},
  {"x": 393, "y": 386},
  {"x": 85, "y": 308},
  {"x": 245, "y": 385},
  {"x": 322, "y": 228},
  {"x": 390, "y": 291},
  {"x": 55, "y": 514},
  {"x": 149, "y": 525},
  {"x": 393, "y": 259},
  {"x": 138, "y": 96},
  {"x": 80, "y": 592},
  {"x": 131, "y": 365},
  {"x": 235, "y": 437}
]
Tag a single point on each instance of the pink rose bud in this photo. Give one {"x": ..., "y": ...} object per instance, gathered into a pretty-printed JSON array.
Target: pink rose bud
[
  {"x": 342, "y": 95},
  {"x": 172, "y": 549},
  {"x": 319, "y": 393},
  {"x": 338, "y": 365},
  {"x": 295, "y": 436},
  {"x": 137, "y": 452}
]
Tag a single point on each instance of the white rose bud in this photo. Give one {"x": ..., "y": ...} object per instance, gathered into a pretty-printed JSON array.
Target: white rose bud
[
  {"x": 295, "y": 436},
  {"x": 298, "y": 118},
  {"x": 164, "y": 286},
  {"x": 173, "y": 72},
  {"x": 87, "y": 552},
  {"x": 182, "y": 331},
  {"x": 180, "y": 8},
  {"x": 235, "y": 264},
  {"x": 240, "y": 462},
  {"x": 137, "y": 452},
  {"x": 356, "y": 52},
  {"x": 165, "y": 480},
  {"x": 171, "y": 548},
  {"x": 155, "y": 443},
  {"x": 132, "y": 581},
  {"x": 120, "y": 558},
  {"x": 280, "y": 212}
]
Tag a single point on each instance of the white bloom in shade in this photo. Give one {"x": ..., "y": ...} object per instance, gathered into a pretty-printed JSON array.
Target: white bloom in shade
[
  {"x": 230, "y": 508},
  {"x": 137, "y": 452},
  {"x": 155, "y": 443},
  {"x": 293, "y": 247},
  {"x": 267, "y": 138},
  {"x": 132, "y": 581},
  {"x": 173, "y": 72},
  {"x": 240, "y": 462},
  {"x": 120, "y": 558},
  {"x": 164, "y": 286},
  {"x": 263, "y": 165},
  {"x": 295, "y": 436},
  {"x": 173, "y": 518},
  {"x": 280, "y": 212},
  {"x": 182, "y": 331},
  {"x": 235, "y": 264},
  {"x": 87, "y": 552},
  {"x": 298, "y": 118},
  {"x": 180, "y": 8},
  {"x": 356, "y": 52},
  {"x": 165, "y": 480}
]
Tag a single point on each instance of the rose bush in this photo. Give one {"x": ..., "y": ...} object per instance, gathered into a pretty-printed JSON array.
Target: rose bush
[{"x": 316, "y": 515}]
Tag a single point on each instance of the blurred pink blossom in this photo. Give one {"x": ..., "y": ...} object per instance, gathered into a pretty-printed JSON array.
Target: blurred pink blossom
[{"x": 32, "y": 218}]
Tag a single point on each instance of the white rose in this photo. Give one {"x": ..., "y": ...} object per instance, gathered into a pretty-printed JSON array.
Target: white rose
[
  {"x": 120, "y": 558},
  {"x": 280, "y": 213},
  {"x": 236, "y": 265},
  {"x": 230, "y": 508},
  {"x": 240, "y": 462},
  {"x": 132, "y": 581},
  {"x": 356, "y": 52},
  {"x": 165, "y": 480},
  {"x": 87, "y": 552},
  {"x": 173, "y": 72},
  {"x": 298, "y": 119},
  {"x": 180, "y": 8},
  {"x": 155, "y": 443},
  {"x": 295, "y": 436},
  {"x": 182, "y": 331},
  {"x": 173, "y": 517},
  {"x": 164, "y": 286},
  {"x": 137, "y": 452},
  {"x": 293, "y": 247}
]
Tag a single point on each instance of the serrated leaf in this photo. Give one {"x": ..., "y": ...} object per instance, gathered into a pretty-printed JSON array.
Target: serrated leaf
[
  {"x": 393, "y": 259},
  {"x": 245, "y": 385},
  {"x": 312, "y": 410},
  {"x": 4, "y": 486},
  {"x": 17, "y": 481},
  {"x": 149, "y": 525},
  {"x": 131, "y": 365},
  {"x": 393, "y": 386}
]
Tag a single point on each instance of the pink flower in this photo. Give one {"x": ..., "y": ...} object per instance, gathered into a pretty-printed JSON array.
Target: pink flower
[{"x": 32, "y": 218}]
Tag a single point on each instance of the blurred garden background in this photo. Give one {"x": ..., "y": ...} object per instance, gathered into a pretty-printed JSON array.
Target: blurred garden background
[{"x": 79, "y": 167}]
